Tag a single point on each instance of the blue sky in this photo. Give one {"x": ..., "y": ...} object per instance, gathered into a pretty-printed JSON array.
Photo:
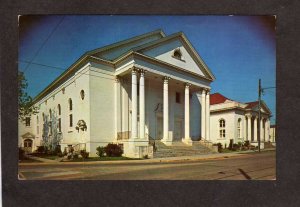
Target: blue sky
[{"x": 238, "y": 49}]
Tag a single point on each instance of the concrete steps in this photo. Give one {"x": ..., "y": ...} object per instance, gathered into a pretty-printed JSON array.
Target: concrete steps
[{"x": 179, "y": 149}]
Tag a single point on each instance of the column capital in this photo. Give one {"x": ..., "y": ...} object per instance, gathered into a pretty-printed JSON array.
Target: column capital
[
  {"x": 187, "y": 85},
  {"x": 166, "y": 79},
  {"x": 117, "y": 79},
  {"x": 134, "y": 70},
  {"x": 142, "y": 72},
  {"x": 248, "y": 116}
]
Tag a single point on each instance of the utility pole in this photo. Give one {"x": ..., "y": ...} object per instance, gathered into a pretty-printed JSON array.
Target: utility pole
[{"x": 259, "y": 115}]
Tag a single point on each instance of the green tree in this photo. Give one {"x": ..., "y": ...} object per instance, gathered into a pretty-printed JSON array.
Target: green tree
[{"x": 26, "y": 107}]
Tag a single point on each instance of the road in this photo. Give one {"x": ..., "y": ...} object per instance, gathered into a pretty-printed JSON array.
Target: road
[{"x": 252, "y": 166}]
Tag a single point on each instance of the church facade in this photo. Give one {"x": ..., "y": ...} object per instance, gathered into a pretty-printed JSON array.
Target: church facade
[
  {"x": 151, "y": 86},
  {"x": 238, "y": 121}
]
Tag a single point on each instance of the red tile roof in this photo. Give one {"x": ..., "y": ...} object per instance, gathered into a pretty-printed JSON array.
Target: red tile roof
[
  {"x": 251, "y": 104},
  {"x": 217, "y": 98}
]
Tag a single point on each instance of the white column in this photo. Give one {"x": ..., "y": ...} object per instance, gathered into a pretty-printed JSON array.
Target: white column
[
  {"x": 255, "y": 128},
  {"x": 187, "y": 112},
  {"x": 142, "y": 104},
  {"x": 245, "y": 129},
  {"x": 262, "y": 139},
  {"x": 207, "y": 108},
  {"x": 203, "y": 115},
  {"x": 133, "y": 104},
  {"x": 249, "y": 128},
  {"x": 166, "y": 109},
  {"x": 117, "y": 107},
  {"x": 267, "y": 130}
]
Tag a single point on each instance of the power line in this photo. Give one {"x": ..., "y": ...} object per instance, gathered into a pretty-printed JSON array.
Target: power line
[{"x": 43, "y": 44}]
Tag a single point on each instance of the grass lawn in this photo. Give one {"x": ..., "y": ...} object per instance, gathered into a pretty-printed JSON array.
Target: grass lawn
[{"x": 102, "y": 159}]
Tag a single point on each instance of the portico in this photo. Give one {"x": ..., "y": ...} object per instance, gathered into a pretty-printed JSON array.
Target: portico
[
  {"x": 253, "y": 123},
  {"x": 153, "y": 98}
]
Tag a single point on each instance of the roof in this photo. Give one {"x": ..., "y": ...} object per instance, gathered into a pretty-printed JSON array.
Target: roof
[
  {"x": 251, "y": 105},
  {"x": 217, "y": 98},
  {"x": 130, "y": 51}
]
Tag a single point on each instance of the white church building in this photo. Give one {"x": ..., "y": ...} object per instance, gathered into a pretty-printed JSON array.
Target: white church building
[
  {"x": 238, "y": 121},
  {"x": 150, "y": 86}
]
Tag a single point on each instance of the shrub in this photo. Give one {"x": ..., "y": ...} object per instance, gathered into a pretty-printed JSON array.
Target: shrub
[
  {"x": 41, "y": 149},
  {"x": 84, "y": 154},
  {"x": 65, "y": 152},
  {"x": 145, "y": 157},
  {"x": 57, "y": 150},
  {"x": 100, "y": 151},
  {"x": 247, "y": 143},
  {"x": 113, "y": 150},
  {"x": 220, "y": 147},
  {"x": 235, "y": 147},
  {"x": 21, "y": 153},
  {"x": 75, "y": 156}
]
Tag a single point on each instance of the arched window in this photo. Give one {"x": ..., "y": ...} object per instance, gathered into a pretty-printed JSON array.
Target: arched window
[
  {"x": 177, "y": 54},
  {"x": 222, "y": 128},
  {"x": 59, "y": 109},
  {"x": 70, "y": 104},
  {"x": 239, "y": 128},
  {"x": 82, "y": 94},
  {"x": 37, "y": 119},
  {"x": 43, "y": 116},
  {"x": 50, "y": 114}
]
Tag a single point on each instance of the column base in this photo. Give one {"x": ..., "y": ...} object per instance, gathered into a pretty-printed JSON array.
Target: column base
[
  {"x": 167, "y": 142},
  {"x": 187, "y": 141}
]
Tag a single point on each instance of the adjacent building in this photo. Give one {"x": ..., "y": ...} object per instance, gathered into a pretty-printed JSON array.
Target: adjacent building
[
  {"x": 151, "y": 86},
  {"x": 238, "y": 121}
]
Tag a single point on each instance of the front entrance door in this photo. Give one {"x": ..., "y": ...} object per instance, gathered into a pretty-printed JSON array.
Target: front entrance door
[
  {"x": 28, "y": 145},
  {"x": 159, "y": 128},
  {"x": 178, "y": 130}
]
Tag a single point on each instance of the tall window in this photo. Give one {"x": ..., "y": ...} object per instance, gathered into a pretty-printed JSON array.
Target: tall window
[
  {"x": 27, "y": 121},
  {"x": 50, "y": 114},
  {"x": 239, "y": 128},
  {"x": 59, "y": 124},
  {"x": 37, "y": 119},
  {"x": 70, "y": 104},
  {"x": 59, "y": 119},
  {"x": 82, "y": 94},
  {"x": 222, "y": 129},
  {"x": 71, "y": 120},
  {"x": 59, "y": 109}
]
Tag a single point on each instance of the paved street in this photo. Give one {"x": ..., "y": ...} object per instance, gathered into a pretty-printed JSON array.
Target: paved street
[{"x": 239, "y": 167}]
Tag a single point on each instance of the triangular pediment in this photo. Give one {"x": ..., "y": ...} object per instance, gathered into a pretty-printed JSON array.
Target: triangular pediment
[
  {"x": 176, "y": 50},
  {"x": 254, "y": 107},
  {"x": 28, "y": 135}
]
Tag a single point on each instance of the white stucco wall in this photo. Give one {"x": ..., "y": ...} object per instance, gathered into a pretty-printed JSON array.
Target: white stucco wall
[
  {"x": 72, "y": 87},
  {"x": 230, "y": 132},
  {"x": 102, "y": 83}
]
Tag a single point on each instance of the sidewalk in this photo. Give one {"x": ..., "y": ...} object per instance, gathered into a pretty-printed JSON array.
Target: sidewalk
[{"x": 153, "y": 160}]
